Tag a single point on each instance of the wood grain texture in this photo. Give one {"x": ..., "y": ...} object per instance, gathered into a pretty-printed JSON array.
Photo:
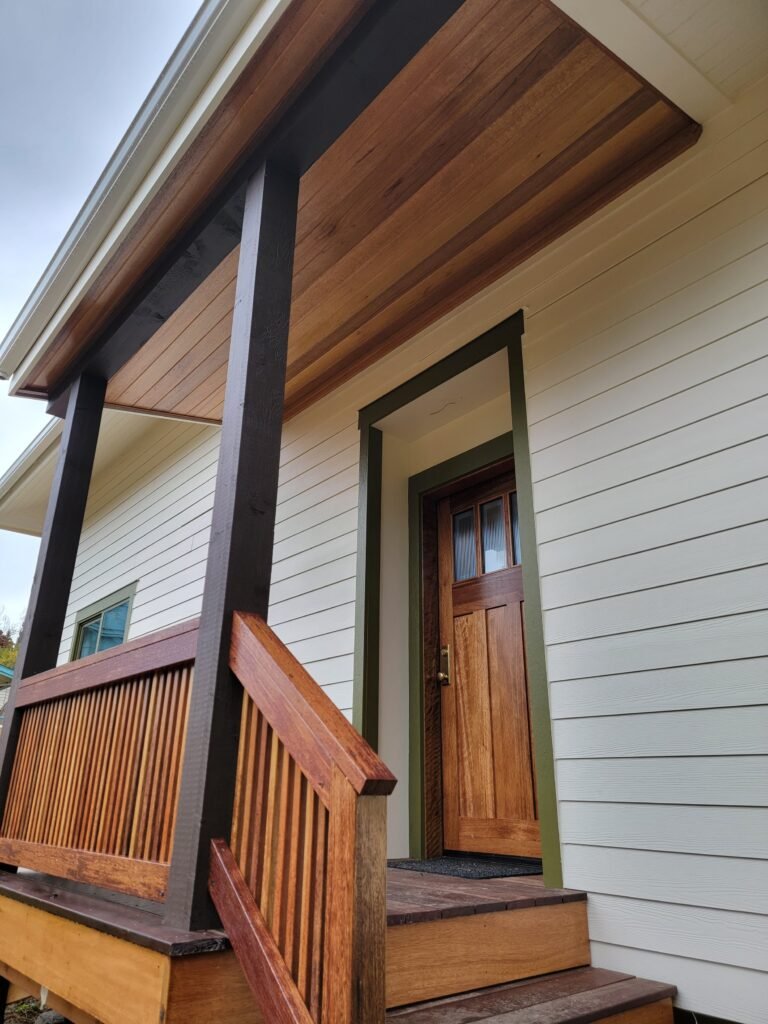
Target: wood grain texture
[
  {"x": 94, "y": 787},
  {"x": 577, "y": 996},
  {"x": 310, "y": 725},
  {"x": 488, "y": 782},
  {"x": 239, "y": 562},
  {"x": 299, "y": 44},
  {"x": 159, "y": 650},
  {"x": 251, "y": 937},
  {"x": 44, "y": 621},
  {"x": 505, "y": 130},
  {"x": 482, "y": 950},
  {"x": 308, "y": 844}
]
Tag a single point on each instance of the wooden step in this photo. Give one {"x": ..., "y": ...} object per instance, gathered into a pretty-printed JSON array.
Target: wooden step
[
  {"x": 449, "y": 935},
  {"x": 577, "y": 996}
]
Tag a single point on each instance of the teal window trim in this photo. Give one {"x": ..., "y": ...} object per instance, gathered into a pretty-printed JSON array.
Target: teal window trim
[
  {"x": 506, "y": 335},
  {"x": 98, "y": 608}
]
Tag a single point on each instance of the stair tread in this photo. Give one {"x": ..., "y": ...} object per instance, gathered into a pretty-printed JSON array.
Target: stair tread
[
  {"x": 578, "y": 996},
  {"x": 413, "y": 897}
]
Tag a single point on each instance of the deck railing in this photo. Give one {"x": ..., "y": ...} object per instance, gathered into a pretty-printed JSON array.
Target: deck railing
[
  {"x": 96, "y": 772},
  {"x": 302, "y": 891}
]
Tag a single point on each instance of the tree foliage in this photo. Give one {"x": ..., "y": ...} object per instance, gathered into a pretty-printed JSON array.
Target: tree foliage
[{"x": 9, "y": 640}]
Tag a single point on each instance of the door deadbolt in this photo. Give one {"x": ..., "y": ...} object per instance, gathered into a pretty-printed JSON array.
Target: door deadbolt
[{"x": 444, "y": 675}]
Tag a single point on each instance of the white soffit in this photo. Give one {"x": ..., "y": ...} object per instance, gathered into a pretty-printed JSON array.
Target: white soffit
[
  {"x": 450, "y": 400},
  {"x": 726, "y": 40},
  {"x": 648, "y": 51},
  {"x": 25, "y": 487}
]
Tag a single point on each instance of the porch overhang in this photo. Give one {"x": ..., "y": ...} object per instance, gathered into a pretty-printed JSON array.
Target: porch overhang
[{"x": 508, "y": 126}]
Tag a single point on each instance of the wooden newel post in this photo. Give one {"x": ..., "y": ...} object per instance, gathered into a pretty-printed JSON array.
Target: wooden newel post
[
  {"x": 240, "y": 555},
  {"x": 47, "y": 610}
]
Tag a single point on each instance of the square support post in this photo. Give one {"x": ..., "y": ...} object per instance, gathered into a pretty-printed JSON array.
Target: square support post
[
  {"x": 47, "y": 610},
  {"x": 239, "y": 566}
]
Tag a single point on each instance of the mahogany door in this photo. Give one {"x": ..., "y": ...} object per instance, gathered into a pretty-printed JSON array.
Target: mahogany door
[{"x": 489, "y": 799}]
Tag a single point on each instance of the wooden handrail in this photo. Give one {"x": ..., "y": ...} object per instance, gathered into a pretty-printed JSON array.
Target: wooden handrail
[
  {"x": 302, "y": 892},
  {"x": 149, "y": 653},
  {"x": 310, "y": 725}
]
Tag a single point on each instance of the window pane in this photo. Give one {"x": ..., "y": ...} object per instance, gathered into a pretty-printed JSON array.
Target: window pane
[
  {"x": 464, "y": 552},
  {"x": 494, "y": 540},
  {"x": 113, "y": 626},
  {"x": 89, "y": 636},
  {"x": 516, "y": 553}
]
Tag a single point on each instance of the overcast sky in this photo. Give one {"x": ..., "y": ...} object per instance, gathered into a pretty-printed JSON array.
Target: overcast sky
[{"x": 73, "y": 74}]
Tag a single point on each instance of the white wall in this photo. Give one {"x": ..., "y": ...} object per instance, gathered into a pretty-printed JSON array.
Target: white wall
[
  {"x": 647, "y": 381},
  {"x": 646, "y": 362}
]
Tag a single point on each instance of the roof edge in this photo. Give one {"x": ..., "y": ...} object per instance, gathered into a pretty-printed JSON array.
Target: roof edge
[{"x": 221, "y": 39}]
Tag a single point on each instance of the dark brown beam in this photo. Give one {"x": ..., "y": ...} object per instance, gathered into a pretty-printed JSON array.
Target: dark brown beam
[
  {"x": 44, "y": 624},
  {"x": 240, "y": 554},
  {"x": 387, "y": 37}
]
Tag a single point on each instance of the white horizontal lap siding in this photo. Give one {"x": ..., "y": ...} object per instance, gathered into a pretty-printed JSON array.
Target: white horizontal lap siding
[
  {"x": 647, "y": 384},
  {"x": 148, "y": 522}
]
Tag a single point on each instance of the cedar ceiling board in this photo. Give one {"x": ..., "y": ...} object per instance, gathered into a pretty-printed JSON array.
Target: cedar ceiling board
[
  {"x": 510, "y": 127},
  {"x": 299, "y": 44},
  {"x": 421, "y": 305}
]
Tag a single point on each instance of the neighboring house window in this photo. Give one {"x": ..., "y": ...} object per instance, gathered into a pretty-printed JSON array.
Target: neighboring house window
[{"x": 104, "y": 624}]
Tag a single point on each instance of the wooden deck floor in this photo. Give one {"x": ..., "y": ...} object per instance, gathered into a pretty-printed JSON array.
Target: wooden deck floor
[{"x": 414, "y": 896}]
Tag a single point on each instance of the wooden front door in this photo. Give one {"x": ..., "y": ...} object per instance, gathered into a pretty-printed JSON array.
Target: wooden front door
[{"x": 489, "y": 799}]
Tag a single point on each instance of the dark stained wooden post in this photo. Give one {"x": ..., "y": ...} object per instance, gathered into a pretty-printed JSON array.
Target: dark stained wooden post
[
  {"x": 44, "y": 623},
  {"x": 240, "y": 554}
]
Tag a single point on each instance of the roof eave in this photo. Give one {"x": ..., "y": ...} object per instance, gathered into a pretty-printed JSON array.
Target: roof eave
[{"x": 222, "y": 38}]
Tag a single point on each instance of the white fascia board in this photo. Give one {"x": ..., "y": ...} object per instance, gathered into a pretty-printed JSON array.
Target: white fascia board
[
  {"x": 219, "y": 43},
  {"x": 621, "y": 30}
]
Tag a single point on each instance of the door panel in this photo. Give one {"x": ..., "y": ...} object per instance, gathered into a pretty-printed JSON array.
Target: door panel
[{"x": 489, "y": 803}]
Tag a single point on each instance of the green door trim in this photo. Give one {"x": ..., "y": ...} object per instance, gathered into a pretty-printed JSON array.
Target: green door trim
[{"x": 506, "y": 335}]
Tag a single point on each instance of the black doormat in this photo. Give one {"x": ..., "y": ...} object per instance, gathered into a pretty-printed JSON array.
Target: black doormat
[{"x": 472, "y": 867}]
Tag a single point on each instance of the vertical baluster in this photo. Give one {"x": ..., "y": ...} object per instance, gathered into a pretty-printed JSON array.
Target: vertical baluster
[
  {"x": 254, "y": 849},
  {"x": 307, "y": 917},
  {"x": 244, "y": 782},
  {"x": 176, "y": 755},
  {"x": 106, "y": 808},
  {"x": 317, "y": 981},
  {"x": 75, "y": 771},
  {"x": 15, "y": 817},
  {"x": 109, "y": 708},
  {"x": 133, "y": 769},
  {"x": 282, "y": 848},
  {"x": 56, "y": 819},
  {"x": 168, "y": 686},
  {"x": 266, "y": 899},
  {"x": 294, "y": 874},
  {"x": 112, "y": 836},
  {"x": 92, "y": 706},
  {"x": 147, "y": 741}
]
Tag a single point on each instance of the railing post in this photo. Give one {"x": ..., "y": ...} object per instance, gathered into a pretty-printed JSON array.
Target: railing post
[
  {"x": 47, "y": 610},
  {"x": 240, "y": 554}
]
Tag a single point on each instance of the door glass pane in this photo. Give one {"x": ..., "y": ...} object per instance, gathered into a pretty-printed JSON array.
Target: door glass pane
[
  {"x": 89, "y": 637},
  {"x": 516, "y": 553},
  {"x": 113, "y": 626},
  {"x": 464, "y": 551},
  {"x": 494, "y": 539}
]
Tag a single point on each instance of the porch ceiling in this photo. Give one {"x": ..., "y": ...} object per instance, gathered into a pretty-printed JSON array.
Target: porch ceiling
[{"x": 508, "y": 128}]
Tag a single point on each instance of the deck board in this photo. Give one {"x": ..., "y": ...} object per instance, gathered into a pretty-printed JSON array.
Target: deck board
[{"x": 414, "y": 896}]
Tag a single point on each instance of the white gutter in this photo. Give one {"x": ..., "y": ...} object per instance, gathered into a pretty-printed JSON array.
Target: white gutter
[{"x": 223, "y": 37}]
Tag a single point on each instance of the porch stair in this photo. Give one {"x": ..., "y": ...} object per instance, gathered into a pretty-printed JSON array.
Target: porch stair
[{"x": 579, "y": 996}]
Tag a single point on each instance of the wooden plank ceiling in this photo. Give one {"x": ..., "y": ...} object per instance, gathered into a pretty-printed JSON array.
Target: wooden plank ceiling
[{"x": 508, "y": 128}]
